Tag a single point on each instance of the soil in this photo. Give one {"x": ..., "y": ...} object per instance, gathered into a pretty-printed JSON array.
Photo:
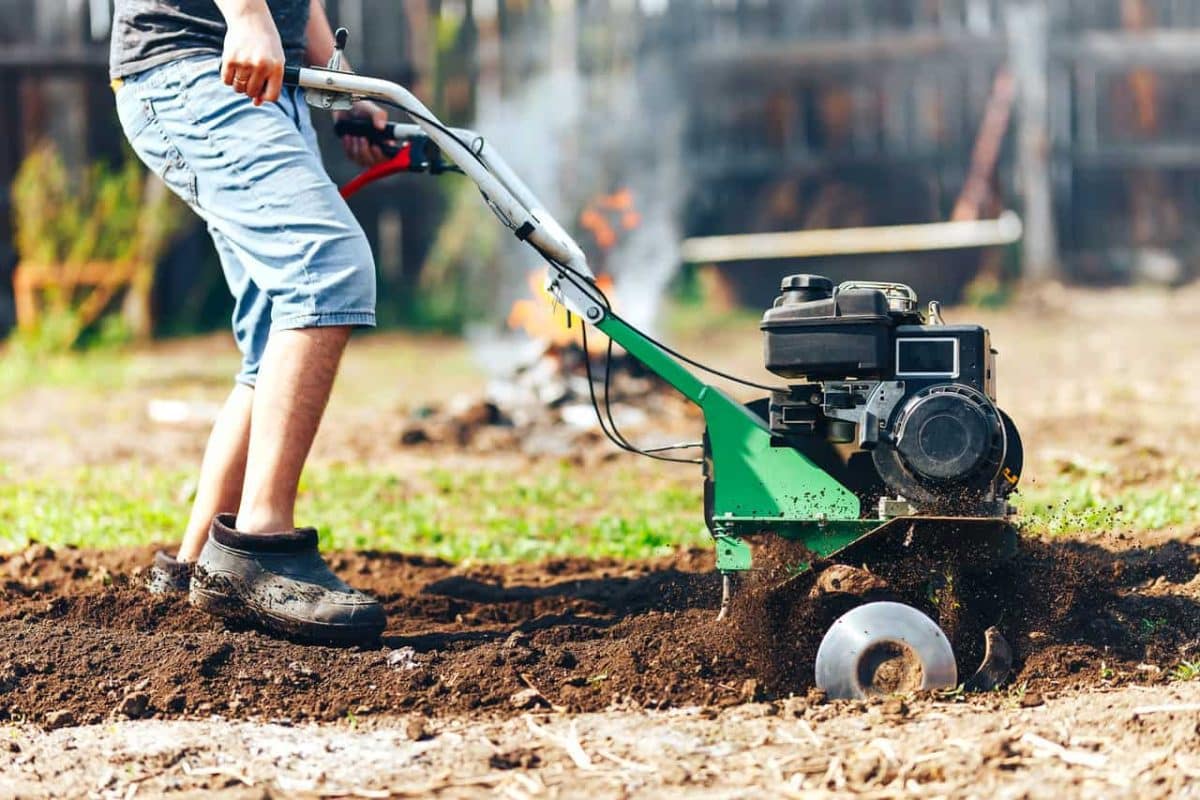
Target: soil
[
  {"x": 86, "y": 643},
  {"x": 575, "y": 678}
]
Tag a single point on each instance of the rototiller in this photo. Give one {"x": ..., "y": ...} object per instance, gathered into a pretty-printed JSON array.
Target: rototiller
[{"x": 886, "y": 428}]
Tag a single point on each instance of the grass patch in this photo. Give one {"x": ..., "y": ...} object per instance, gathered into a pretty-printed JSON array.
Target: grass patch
[
  {"x": 473, "y": 515},
  {"x": 548, "y": 510},
  {"x": 1072, "y": 505},
  {"x": 103, "y": 368}
]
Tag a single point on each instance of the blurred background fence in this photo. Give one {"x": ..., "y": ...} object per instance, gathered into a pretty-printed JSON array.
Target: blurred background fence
[{"x": 645, "y": 122}]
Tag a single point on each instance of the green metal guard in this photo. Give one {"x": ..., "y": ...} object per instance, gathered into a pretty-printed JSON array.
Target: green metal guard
[{"x": 757, "y": 488}]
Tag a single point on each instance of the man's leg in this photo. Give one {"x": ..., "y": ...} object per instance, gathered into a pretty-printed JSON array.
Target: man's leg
[
  {"x": 293, "y": 388},
  {"x": 221, "y": 472},
  {"x": 253, "y": 175},
  {"x": 223, "y": 469}
]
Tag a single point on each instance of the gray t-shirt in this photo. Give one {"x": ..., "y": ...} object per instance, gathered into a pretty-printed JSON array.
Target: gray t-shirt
[{"x": 147, "y": 33}]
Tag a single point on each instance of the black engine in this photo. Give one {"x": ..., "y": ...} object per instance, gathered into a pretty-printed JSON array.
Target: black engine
[{"x": 910, "y": 400}]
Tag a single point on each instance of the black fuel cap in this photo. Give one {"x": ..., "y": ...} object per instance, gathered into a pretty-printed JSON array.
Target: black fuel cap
[{"x": 805, "y": 287}]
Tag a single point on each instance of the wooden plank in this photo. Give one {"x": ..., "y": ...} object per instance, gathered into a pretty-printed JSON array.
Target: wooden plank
[
  {"x": 1005, "y": 230},
  {"x": 1164, "y": 48},
  {"x": 1028, "y": 31},
  {"x": 986, "y": 153},
  {"x": 40, "y": 59},
  {"x": 1152, "y": 47}
]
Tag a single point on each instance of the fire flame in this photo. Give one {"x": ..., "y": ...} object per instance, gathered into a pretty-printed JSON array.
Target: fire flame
[
  {"x": 606, "y": 216},
  {"x": 545, "y": 320}
]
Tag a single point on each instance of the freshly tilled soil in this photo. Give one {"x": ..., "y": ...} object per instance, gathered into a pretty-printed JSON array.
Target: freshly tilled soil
[{"x": 86, "y": 643}]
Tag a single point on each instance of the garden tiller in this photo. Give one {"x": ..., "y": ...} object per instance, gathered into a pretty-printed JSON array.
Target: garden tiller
[{"x": 883, "y": 434}]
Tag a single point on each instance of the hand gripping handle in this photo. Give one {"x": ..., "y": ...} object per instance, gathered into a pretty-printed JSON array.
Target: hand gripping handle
[{"x": 365, "y": 128}]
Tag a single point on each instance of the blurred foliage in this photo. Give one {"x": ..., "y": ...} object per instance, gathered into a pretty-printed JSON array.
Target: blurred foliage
[
  {"x": 995, "y": 283},
  {"x": 454, "y": 286},
  {"x": 111, "y": 214},
  {"x": 988, "y": 290}
]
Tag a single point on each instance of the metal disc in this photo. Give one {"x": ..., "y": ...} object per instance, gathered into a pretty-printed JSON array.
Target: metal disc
[{"x": 884, "y": 648}]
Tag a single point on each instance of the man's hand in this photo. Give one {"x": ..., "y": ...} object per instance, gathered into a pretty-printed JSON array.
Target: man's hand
[
  {"x": 253, "y": 59},
  {"x": 320, "y": 48},
  {"x": 360, "y": 150}
]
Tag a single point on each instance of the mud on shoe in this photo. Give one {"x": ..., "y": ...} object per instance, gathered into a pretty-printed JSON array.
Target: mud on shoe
[
  {"x": 280, "y": 583},
  {"x": 168, "y": 576}
]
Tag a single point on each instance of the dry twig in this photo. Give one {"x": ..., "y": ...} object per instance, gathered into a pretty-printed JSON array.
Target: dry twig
[
  {"x": 568, "y": 743},
  {"x": 203, "y": 772},
  {"x": 1045, "y": 748},
  {"x": 528, "y": 681},
  {"x": 1178, "y": 708}
]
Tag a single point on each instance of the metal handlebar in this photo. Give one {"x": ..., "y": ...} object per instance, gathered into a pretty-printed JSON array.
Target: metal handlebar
[{"x": 509, "y": 198}]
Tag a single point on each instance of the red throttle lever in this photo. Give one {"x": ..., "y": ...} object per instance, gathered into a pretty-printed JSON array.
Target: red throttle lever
[
  {"x": 400, "y": 162},
  {"x": 409, "y": 153}
]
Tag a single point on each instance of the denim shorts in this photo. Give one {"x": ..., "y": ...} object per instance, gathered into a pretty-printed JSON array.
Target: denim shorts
[{"x": 292, "y": 253}]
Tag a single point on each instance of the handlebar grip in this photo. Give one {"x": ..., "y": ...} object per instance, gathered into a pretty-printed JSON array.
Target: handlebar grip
[
  {"x": 291, "y": 75},
  {"x": 365, "y": 128}
]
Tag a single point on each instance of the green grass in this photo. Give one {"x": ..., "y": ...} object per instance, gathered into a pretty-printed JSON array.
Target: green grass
[
  {"x": 488, "y": 514},
  {"x": 630, "y": 510},
  {"x": 1071, "y": 504},
  {"x": 1186, "y": 671},
  {"x": 99, "y": 369},
  {"x": 473, "y": 515}
]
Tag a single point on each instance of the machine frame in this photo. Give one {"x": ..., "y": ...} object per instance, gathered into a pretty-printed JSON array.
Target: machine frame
[{"x": 757, "y": 486}]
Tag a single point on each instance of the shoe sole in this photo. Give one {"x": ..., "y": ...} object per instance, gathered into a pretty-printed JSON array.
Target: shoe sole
[{"x": 240, "y": 609}]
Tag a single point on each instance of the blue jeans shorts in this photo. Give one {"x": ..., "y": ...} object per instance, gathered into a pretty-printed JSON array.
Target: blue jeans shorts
[{"x": 292, "y": 253}]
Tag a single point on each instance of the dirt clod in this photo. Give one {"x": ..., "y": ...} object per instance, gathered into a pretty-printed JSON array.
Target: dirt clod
[
  {"x": 848, "y": 580},
  {"x": 1031, "y": 700},
  {"x": 894, "y": 708},
  {"x": 520, "y": 758},
  {"x": 133, "y": 705},
  {"x": 526, "y": 699},
  {"x": 63, "y": 718},
  {"x": 415, "y": 730}
]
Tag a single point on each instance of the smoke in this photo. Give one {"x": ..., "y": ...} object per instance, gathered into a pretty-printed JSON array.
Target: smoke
[{"x": 573, "y": 133}]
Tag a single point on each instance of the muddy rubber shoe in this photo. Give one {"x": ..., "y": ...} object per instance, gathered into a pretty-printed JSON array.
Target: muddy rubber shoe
[
  {"x": 168, "y": 576},
  {"x": 279, "y": 582}
]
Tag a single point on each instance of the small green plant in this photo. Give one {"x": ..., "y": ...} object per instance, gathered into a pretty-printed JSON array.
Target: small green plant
[
  {"x": 955, "y": 695},
  {"x": 1016, "y": 694},
  {"x": 940, "y": 589},
  {"x": 1149, "y": 626},
  {"x": 1186, "y": 671},
  {"x": 1106, "y": 672}
]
